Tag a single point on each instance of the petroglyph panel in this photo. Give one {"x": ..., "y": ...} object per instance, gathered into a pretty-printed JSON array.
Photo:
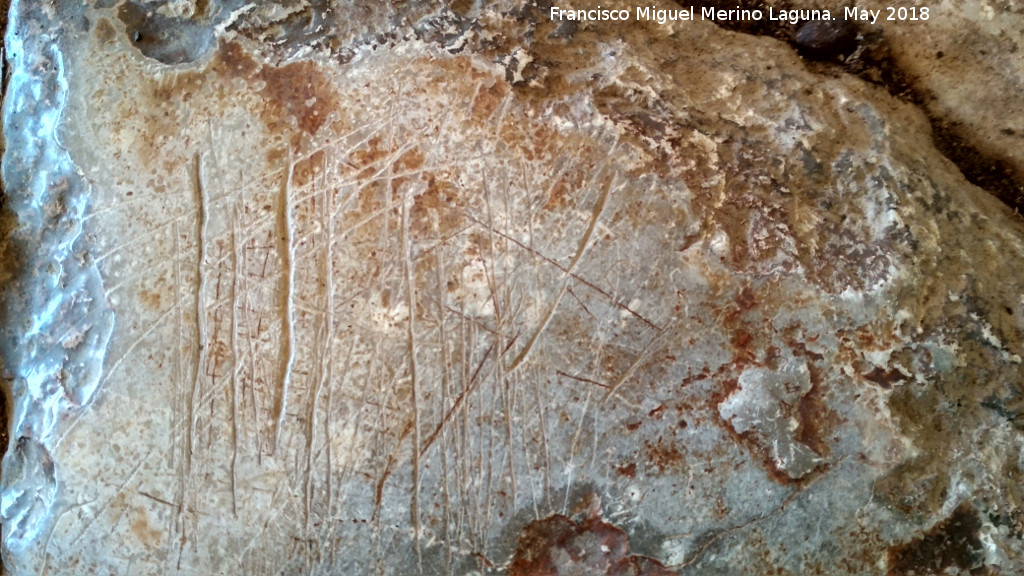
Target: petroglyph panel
[{"x": 428, "y": 298}]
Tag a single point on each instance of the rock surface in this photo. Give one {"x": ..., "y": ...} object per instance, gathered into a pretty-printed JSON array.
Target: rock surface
[
  {"x": 395, "y": 289},
  {"x": 964, "y": 61}
]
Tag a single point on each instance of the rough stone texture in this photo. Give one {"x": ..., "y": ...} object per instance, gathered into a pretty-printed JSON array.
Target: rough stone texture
[
  {"x": 397, "y": 288},
  {"x": 966, "y": 61},
  {"x": 563, "y": 546}
]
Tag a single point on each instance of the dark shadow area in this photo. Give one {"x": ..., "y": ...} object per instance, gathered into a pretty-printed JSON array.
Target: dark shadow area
[
  {"x": 870, "y": 58},
  {"x": 5, "y": 6},
  {"x": 166, "y": 39}
]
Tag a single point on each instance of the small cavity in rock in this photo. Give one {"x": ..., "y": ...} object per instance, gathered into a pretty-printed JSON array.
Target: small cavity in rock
[
  {"x": 826, "y": 39},
  {"x": 167, "y": 40}
]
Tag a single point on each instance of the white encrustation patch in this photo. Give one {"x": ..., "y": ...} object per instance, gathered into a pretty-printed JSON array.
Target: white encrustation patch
[
  {"x": 474, "y": 292},
  {"x": 762, "y": 405},
  {"x": 992, "y": 340}
]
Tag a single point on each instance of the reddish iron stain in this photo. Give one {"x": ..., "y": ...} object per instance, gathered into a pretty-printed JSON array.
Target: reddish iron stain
[
  {"x": 233, "y": 62},
  {"x": 864, "y": 337},
  {"x": 799, "y": 347},
  {"x": 410, "y": 161},
  {"x": 559, "y": 546},
  {"x": 627, "y": 470},
  {"x": 728, "y": 388},
  {"x": 298, "y": 90},
  {"x": 488, "y": 99},
  {"x": 105, "y": 31},
  {"x": 814, "y": 418},
  {"x": 436, "y": 206},
  {"x": 702, "y": 375},
  {"x": 746, "y": 299},
  {"x": 664, "y": 455},
  {"x": 815, "y": 421},
  {"x": 885, "y": 378},
  {"x": 742, "y": 346},
  {"x": 308, "y": 169},
  {"x": 558, "y": 196}
]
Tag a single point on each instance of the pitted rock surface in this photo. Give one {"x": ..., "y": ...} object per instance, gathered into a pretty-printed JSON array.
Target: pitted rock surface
[{"x": 962, "y": 60}]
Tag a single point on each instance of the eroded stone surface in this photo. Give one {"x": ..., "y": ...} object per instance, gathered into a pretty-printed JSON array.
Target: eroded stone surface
[
  {"x": 965, "y": 59},
  {"x": 390, "y": 300},
  {"x": 559, "y": 545}
]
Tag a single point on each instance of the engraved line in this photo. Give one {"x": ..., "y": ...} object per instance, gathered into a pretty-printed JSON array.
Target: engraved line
[
  {"x": 180, "y": 397},
  {"x": 287, "y": 253},
  {"x": 328, "y": 324},
  {"x": 199, "y": 356},
  {"x": 236, "y": 248},
  {"x": 411, "y": 334},
  {"x": 584, "y": 242},
  {"x": 636, "y": 363},
  {"x": 446, "y": 378}
]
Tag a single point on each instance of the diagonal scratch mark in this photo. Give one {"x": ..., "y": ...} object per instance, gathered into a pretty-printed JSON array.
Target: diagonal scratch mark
[
  {"x": 584, "y": 243},
  {"x": 636, "y": 363},
  {"x": 120, "y": 489},
  {"x": 581, "y": 379},
  {"x": 570, "y": 274},
  {"x": 474, "y": 382}
]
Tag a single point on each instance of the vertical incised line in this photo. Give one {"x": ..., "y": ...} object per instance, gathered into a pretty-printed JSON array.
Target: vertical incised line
[
  {"x": 326, "y": 364},
  {"x": 328, "y": 216},
  {"x": 236, "y": 248},
  {"x": 411, "y": 326},
  {"x": 184, "y": 446},
  {"x": 202, "y": 202},
  {"x": 446, "y": 382},
  {"x": 199, "y": 356},
  {"x": 287, "y": 254}
]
